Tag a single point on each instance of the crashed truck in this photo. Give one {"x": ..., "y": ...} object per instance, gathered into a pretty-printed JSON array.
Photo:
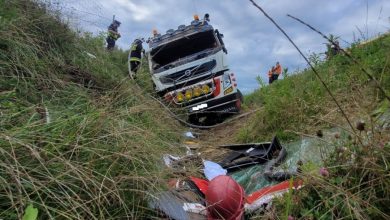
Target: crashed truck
[{"x": 189, "y": 70}]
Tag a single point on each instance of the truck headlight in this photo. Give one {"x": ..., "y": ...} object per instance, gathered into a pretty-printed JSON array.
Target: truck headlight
[
  {"x": 188, "y": 94},
  {"x": 197, "y": 92},
  {"x": 179, "y": 97},
  {"x": 226, "y": 81},
  {"x": 205, "y": 89}
]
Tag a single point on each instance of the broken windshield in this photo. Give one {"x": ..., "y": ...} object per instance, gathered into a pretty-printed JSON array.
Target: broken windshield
[{"x": 183, "y": 47}]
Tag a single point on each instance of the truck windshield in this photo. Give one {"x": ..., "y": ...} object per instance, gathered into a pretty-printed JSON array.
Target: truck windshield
[{"x": 183, "y": 47}]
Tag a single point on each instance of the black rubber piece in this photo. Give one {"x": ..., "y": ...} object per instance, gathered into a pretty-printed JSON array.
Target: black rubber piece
[{"x": 245, "y": 155}]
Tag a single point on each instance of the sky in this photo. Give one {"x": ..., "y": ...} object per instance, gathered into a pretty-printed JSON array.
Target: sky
[{"x": 254, "y": 44}]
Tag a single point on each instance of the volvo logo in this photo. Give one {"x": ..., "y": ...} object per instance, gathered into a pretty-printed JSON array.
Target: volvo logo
[{"x": 187, "y": 73}]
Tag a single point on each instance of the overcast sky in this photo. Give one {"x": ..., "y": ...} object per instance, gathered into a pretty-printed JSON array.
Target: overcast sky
[{"x": 253, "y": 43}]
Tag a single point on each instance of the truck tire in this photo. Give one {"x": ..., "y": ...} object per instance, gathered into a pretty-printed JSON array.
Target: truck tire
[{"x": 240, "y": 96}]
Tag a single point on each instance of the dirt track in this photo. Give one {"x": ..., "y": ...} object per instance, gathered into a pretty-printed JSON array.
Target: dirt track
[{"x": 209, "y": 139}]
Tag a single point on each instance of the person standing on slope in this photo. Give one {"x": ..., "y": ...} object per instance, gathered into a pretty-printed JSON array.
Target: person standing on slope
[
  {"x": 277, "y": 71},
  {"x": 113, "y": 34},
  {"x": 136, "y": 50},
  {"x": 270, "y": 78}
]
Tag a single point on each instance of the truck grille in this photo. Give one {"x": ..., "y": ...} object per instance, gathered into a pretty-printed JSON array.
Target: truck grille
[{"x": 191, "y": 72}]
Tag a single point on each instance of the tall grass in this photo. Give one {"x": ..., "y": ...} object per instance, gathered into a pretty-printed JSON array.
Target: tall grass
[
  {"x": 299, "y": 102},
  {"x": 77, "y": 139},
  {"x": 356, "y": 185}
]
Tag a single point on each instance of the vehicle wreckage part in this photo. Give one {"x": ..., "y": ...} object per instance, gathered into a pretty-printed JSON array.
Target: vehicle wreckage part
[
  {"x": 191, "y": 125},
  {"x": 245, "y": 155},
  {"x": 225, "y": 199},
  {"x": 188, "y": 65},
  {"x": 264, "y": 196},
  {"x": 201, "y": 184},
  {"x": 269, "y": 172},
  {"x": 171, "y": 204}
]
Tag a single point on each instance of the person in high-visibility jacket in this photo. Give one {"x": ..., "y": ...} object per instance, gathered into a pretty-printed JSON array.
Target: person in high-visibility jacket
[
  {"x": 135, "y": 54},
  {"x": 113, "y": 34},
  {"x": 277, "y": 71}
]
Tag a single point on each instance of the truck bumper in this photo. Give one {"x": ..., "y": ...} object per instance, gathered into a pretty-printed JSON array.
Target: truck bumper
[{"x": 228, "y": 104}]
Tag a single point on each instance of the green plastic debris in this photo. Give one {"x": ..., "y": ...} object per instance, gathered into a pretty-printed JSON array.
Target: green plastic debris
[
  {"x": 307, "y": 150},
  {"x": 251, "y": 179}
]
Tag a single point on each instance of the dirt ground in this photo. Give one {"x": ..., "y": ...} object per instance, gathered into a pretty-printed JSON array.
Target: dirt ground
[{"x": 209, "y": 140}]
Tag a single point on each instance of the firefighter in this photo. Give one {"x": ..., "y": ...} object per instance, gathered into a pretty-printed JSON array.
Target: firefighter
[
  {"x": 135, "y": 55},
  {"x": 113, "y": 34},
  {"x": 277, "y": 71}
]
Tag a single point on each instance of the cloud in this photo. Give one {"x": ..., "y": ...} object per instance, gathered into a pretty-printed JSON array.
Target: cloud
[
  {"x": 254, "y": 44},
  {"x": 138, "y": 12}
]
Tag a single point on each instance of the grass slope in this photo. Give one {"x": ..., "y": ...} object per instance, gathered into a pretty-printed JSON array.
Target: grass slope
[
  {"x": 355, "y": 183},
  {"x": 78, "y": 140},
  {"x": 299, "y": 101}
]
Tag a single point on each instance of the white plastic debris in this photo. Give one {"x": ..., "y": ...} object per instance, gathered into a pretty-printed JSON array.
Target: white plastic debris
[
  {"x": 212, "y": 169},
  {"x": 194, "y": 208},
  {"x": 189, "y": 134},
  {"x": 168, "y": 159}
]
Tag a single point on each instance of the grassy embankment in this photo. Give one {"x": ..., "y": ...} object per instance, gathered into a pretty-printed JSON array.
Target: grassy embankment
[
  {"x": 77, "y": 139},
  {"x": 356, "y": 182}
]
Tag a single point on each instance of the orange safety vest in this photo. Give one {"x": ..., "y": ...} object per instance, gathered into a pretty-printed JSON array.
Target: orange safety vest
[{"x": 278, "y": 69}]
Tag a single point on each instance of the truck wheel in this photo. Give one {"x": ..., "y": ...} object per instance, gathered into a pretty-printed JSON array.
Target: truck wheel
[{"x": 240, "y": 96}]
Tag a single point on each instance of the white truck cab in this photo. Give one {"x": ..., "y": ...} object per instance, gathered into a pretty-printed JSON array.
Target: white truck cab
[{"x": 189, "y": 69}]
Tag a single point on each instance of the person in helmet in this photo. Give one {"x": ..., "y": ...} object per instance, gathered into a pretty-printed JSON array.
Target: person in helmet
[
  {"x": 136, "y": 50},
  {"x": 113, "y": 34}
]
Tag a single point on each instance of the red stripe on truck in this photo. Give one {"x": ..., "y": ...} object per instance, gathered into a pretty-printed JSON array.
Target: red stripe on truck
[{"x": 217, "y": 89}]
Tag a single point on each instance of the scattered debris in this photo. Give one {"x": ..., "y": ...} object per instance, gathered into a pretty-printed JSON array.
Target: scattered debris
[
  {"x": 269, "y": 173},
  {"x": 225, "y": 199},
  {"x": 189, "y": 134},
  {"x": 173, "y": 204},
  {"x": 195, "y": 208},
  {"x": 220, "y": 195},
  {"x": 258, "y": 199},
  {"x": 244, "y": 155},
  {"x": 212, "y": 169},
  {"x": 168, "y": 159}
]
